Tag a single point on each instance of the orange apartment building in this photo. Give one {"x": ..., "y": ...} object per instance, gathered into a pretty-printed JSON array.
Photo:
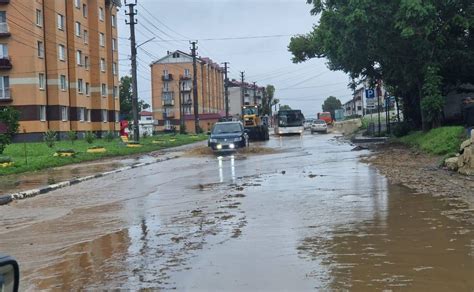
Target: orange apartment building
[
  {"x": 172, "y": 78},
  {"x": 59, "y": 65}
]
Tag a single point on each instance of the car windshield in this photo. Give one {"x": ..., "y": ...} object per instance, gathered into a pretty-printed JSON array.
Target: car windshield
[
  {"x": 227, "y": 128},
  {"x": 250, "y": 111}
]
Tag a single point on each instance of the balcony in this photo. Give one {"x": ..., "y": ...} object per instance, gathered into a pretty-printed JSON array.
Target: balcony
[
  {"x": 4, "y": 31},
  {"x": 4, "y": 2},
  {"x": 185, "y": 77},
  {"x": 167, "y": 102},
  {"x": 188, "y": 102},
  {"x": 5, "y": 63},
  {"x": 167, "y": 77},
  {"x": 168, "y": 115},
  {"x": 5, "y": 95}
]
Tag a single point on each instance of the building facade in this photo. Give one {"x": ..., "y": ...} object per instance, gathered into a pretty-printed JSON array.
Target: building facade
[
  {"x": 59, "y": 65},
  {"x": 252, "y": 95},
  {"x": 172, "y": 90}
]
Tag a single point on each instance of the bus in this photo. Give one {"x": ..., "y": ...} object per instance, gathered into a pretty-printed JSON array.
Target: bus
[{"x": 289, "y": 122}]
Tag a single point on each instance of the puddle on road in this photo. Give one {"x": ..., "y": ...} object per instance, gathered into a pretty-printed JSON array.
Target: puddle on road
[{"x": 252, "y": 150}]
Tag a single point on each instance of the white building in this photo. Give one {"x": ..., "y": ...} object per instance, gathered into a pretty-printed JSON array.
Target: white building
[
  {"x": 253, "y": 95},
  {"x": 146, "y": 123}
]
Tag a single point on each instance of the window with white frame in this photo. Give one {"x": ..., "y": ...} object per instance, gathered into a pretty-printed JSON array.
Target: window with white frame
[
  {"x": 64, "y": 113},
  {"x": 114, "y": 68},
  {"x": 60, "y": 21},
  {"x": 79, "y": 57},
  {"x": 62, "y": 82},
  {"x": 77, "y": 3},
  {"x": 80, "y": 85},
  {"x": 117, "y": 116},
  {"x": 77, "y": 28},
  {"x": 41, "y": 81},
  {"x": 84, "y": 10},
  {"x": 42, "y": 113},
  {"x": 102, "y": 64},
  {"x": 3, "y": 51},
  {"x": 101, "y": 39},
  {"x": 89, "y": 118},
  {"x": 187, "y": 73},
  {"x": 103, "y": 89},
  {"x": 86, "y": 62},
  {"x": 88, "y": 89},
  {"x": 86, "y": 37},
  {"x": 114, "y": 44},
  {"x": 4, "y": 87},
  {"x": 39, "y": 17},
  {"x": 113, "y": 18},
  {"x": 40, "y": 45},
  {"x": 101, "y": 14},
  {"x": 104, "y": 116},
  {"x": 61, "y": 52},
  {"x": 115, "y": 91},
  {"x": 81, "y": 114}
]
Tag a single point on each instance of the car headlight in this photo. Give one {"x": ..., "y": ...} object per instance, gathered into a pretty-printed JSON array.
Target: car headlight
[
  {"x": 238, "y": 139},
  {"x": 213, "y": 140}
]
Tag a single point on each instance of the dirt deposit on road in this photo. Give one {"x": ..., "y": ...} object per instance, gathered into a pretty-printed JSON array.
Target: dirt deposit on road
[{"x": 252, "y": 150}]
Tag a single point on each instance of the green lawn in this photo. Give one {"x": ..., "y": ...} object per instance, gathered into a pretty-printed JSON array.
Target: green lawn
[
  {"x": 440, "y": 141},
  {"x": 41, "y": 157}
]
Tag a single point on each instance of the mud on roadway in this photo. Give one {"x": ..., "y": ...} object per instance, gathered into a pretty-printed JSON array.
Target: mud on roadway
[{"x": 306, "y": 215}]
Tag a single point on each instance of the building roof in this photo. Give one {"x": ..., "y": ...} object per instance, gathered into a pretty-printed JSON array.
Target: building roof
[{"x": 201, "y": 60}]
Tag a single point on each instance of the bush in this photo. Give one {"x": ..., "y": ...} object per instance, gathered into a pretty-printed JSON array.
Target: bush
[
  {"x": 50, "y": 137},
  {"x": 439, "y": 141},
  {"x": 89, "y": 137},
  {"x": 401, "y": 129},
  {"x": 5, "y": 159},
  {"x": 9, "y": 120},
  {"x": 109, "y": 136},
  {"x": 72, "y": 136}
]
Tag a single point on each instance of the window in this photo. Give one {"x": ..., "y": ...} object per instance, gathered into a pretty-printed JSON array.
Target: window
[
  {"x": 39, "y": 18},
  {"x": 115, "y": 91},
  {"x": 103, "y": 89},
  {"x": 77, "y": 28},
  {"x": 64, "y": 113},
  {"x": 4, "y": 87},
  {"x": 165, "y": 73},
  {"x": 86, "y": 37},
  {"x": 104, "y": 116},
  {"x": 88, "y": 112},
  {"x": 114, "y": 68},
  {"x": 84, "y": 10},
  {"x": 114, "y": 20},
  {"x": 40, "y": 49},
  {"x": 186, "y": 73},
  {"x": 101, "y": 39},
  {"x": 77, "y": 3},
  {"x": 41, "y": 80},
  {"x": 102, "y": 64},
  {"x": 117, "y": 116},
  {"x": 62, "y": 82},
  {"x": 79, "y": 57},
  {"x": 86, "y": 62},
  {"x": 42, "y": 113},
  {"x": 101, "y": 14},
  {"x": 60, "y": 22},
  {"x": 3, "y": 51},
  {"x": 62, "y": 52},
  {"x": 81, "y": 114},
  {"x": 114, "y": 45},
  {"x": 88, "y": 89},
  {"x": 80, "y": 85}
]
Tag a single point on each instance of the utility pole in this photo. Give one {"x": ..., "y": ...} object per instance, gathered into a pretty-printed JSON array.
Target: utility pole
[
  {"x": 195, "y": 89},
  {"x": 254, "y": 93},
  {"x": 242, "y": 94},
  {"x": 131, "y": 13},
  {"x": 180, "y": 96},
  {"x": 226, "y": 87},
  {"x": 378, "y": 107}
]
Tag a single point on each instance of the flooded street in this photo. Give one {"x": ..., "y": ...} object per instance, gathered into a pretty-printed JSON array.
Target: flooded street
[{"x": 304, "y": 214}]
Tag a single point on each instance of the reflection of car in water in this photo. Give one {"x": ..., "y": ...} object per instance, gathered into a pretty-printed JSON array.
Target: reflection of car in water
[
  {"x": 228, "y": 136},
  {"x": 319, "y": 126},
  {"x": 289, "y": 122},
  {"x": 9, "y": 274}
]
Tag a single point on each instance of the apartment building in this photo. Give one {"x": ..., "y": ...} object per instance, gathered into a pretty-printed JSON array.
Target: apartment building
[
  {"x": 252, "y": 95},
  {"x": 172, "y": 87},
  {"x": 59, "y": 65}
]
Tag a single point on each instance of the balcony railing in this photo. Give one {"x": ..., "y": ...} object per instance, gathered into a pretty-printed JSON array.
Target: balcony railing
[
  {"x": 5, "y": 94},
  {"x": 167, "y": 77},
  {"x": 167, "y": 115},
  {"x": 5, "y": 63},
  {"x": 4, "y": 31},
  {"x": 188, "y": 102},
  {"x": 167, "y": 102},
  {"x": 185, "y": 77}
]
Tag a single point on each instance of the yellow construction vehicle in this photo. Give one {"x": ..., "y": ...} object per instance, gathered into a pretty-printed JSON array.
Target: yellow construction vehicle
[{"x": 254, "y": 123}]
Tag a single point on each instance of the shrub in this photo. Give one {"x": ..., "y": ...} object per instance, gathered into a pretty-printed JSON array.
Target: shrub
[
  {"x": 9, "y": 121},
  {"x": 50, "y": 137},
  {"x": 401, "y": 129},
  {"x": 145, "y": 134},
  {"x": 72, "y": 136},
  {"x": 89, "y": 137},
  {"x": 439, "y": 141},
  {"x": 109, "y": 136}
]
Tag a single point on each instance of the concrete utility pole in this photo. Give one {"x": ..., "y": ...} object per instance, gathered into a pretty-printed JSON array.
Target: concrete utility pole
[
  {"x": 195, "y": 89},
  {"x": 226, "y": 87},
  {"x": 242, "y": 86},
  {"x": 254, "y": 93},
  {"x": 378, "y": 107},
  {"x": 180, "y": 94},
  {"x": 131, "y": 13}
]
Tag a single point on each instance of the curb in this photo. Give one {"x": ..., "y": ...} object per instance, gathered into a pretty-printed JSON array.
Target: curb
[{"x": 6, "y": 199}]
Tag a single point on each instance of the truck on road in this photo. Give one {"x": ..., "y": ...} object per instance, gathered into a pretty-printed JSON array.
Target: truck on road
[
  {"x": 254, "y": 123},
  {"x": 326, "y": 116}
]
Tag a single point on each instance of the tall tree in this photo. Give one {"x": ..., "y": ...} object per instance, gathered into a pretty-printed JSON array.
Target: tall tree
[
  {"x": 331, "y": 104},
  {"x": 126, "y": 99},
  {"x": 285, "y": 107},
  {"x": 407, "y": 43},
  {"x": 268, "y": 99}
]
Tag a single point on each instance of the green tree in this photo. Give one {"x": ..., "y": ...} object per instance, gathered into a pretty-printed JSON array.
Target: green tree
[
  {"x": 268, "y": 99},
  {"x": 126, "y": 99},
  {"x": 285, "y": 107},
  {"x": 8, "y": 126},
  {"x": 331, "y": 104},
  {"x": 394, "y": 40}
]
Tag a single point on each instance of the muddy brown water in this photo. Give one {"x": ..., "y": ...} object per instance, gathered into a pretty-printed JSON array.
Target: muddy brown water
[{"x": 309, "y": 216}]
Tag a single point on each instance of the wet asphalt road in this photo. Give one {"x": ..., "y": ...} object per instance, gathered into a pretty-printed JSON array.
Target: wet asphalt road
[{"x": 309, "y": 216}]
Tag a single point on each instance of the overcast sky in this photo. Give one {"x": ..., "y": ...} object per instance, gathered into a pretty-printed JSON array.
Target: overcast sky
[{"x": 265, "y": 58}]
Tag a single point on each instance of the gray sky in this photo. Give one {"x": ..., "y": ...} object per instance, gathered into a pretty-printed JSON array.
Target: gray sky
[{"x": 265, "y": 60}]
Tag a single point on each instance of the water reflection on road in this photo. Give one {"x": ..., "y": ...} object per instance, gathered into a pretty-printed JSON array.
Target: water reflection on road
[{"x": 309, "y": 216}]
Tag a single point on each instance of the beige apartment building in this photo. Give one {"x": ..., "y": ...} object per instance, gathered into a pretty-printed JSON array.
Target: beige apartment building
[
  {"x": 172, "y": 85},
  {"x": 59, "y": 65}
]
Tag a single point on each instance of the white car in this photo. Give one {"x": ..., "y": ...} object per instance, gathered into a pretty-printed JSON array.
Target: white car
[
  {"x": 307, "y": 124},
  {"x": 319, "y": 126}
]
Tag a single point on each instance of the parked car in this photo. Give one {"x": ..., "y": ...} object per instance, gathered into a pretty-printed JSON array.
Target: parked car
[
  {"x": 319, "y": 126},
  {"x": 228, "y": 136},
  {"x": 307, "y": 124}
]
